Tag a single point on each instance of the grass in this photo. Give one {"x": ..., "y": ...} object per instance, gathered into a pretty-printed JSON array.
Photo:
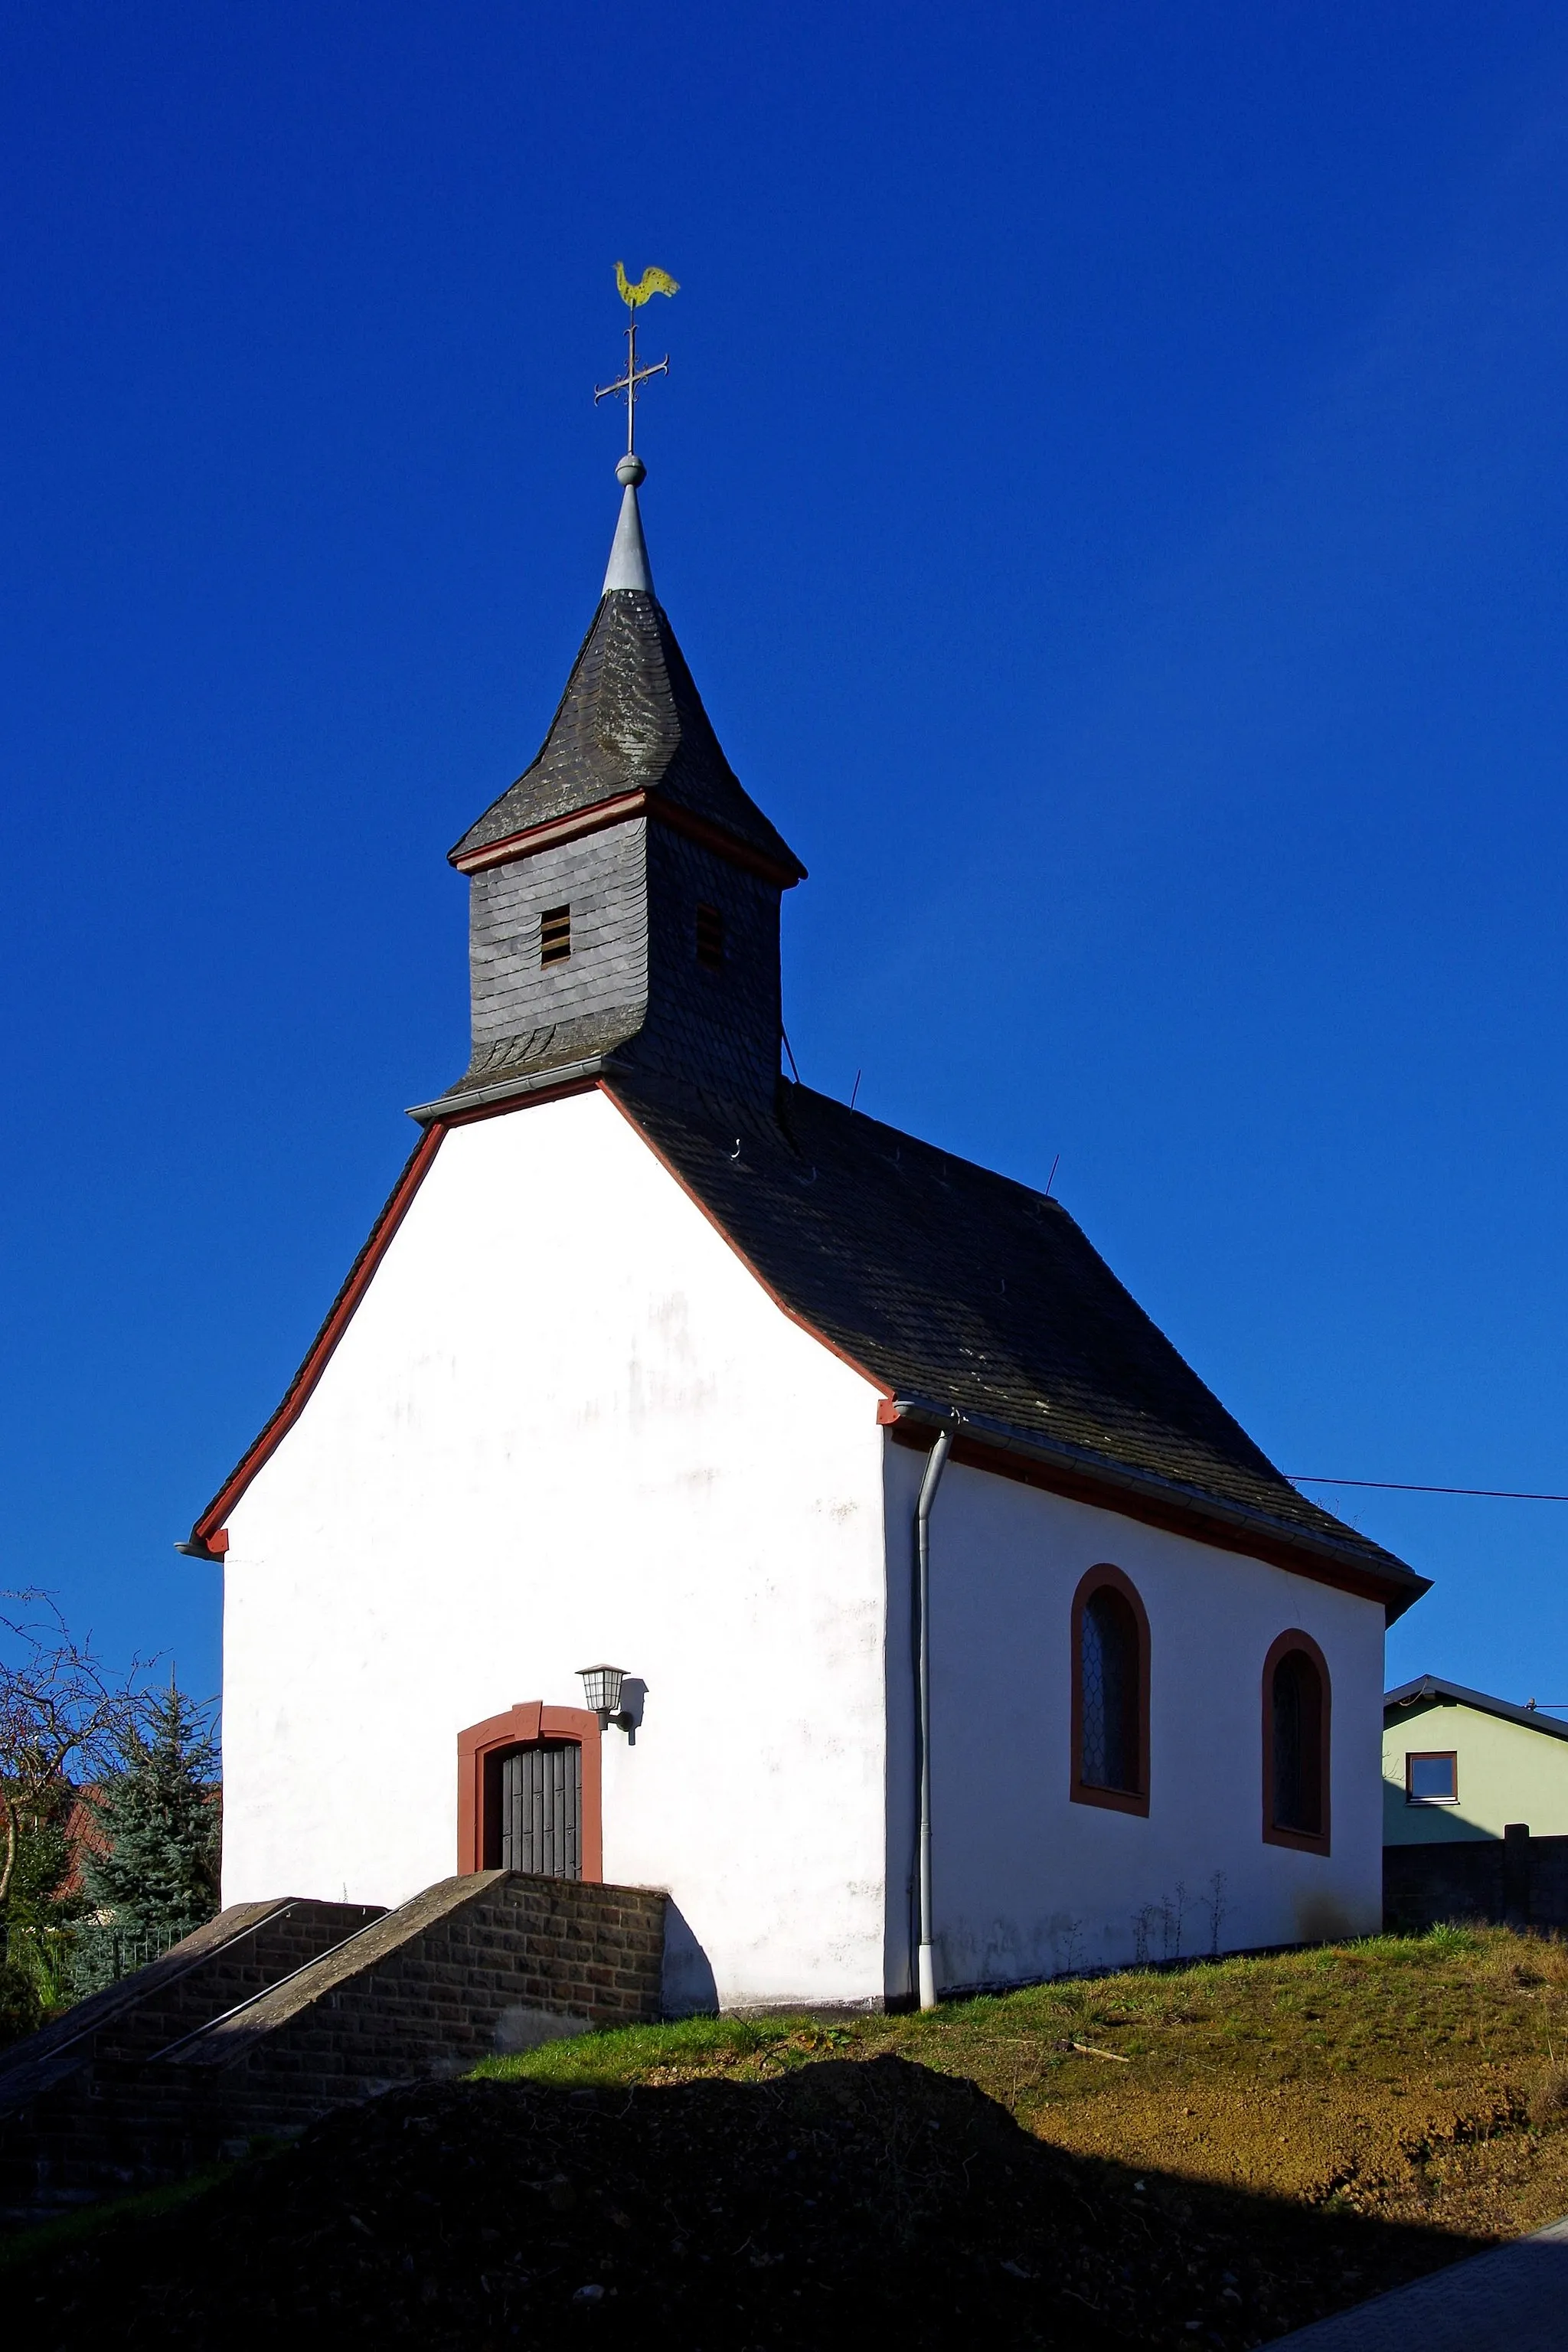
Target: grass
[
  {"x": 1223, "y": 2152},
  {"x": 1414, "y": 2079},
  {"x": 681, "y": 2053}
]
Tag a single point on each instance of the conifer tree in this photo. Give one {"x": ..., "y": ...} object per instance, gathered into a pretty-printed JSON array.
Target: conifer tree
[{"x": 157, "y": 1816}]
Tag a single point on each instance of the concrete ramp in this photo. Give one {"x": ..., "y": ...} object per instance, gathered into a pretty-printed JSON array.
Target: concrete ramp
[
  {"x": 493, "y": 1961},
  {"x": 57, "y": 2087},
  {"x": 1513, "y": 2299}
]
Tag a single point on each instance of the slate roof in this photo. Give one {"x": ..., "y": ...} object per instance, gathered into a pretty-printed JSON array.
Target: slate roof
[
  {"x": 955, "y": 1287},
  {"x": 631, "y": 719},
  {"x": 1434, "y": 1686}
]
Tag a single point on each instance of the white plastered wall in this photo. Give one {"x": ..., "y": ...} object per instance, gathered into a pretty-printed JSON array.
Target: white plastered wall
[
  {"x": 567, "y": 1424},
  {"x": 1028, "y": 1883}
]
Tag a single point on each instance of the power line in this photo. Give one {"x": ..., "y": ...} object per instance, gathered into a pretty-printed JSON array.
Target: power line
[{"x": 1399, "y": 1486}]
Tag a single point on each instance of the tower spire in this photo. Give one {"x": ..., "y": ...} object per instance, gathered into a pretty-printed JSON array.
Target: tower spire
[{"x": 628, "y": 565}]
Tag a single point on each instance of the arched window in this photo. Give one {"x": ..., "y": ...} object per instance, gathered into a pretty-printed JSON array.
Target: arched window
[
  {"x": 1296, "y": 1743},
  {"x": 1109, "y": 1693}
]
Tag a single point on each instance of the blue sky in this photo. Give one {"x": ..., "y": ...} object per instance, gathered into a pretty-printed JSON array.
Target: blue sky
[{"x": 1112, "y": 490}]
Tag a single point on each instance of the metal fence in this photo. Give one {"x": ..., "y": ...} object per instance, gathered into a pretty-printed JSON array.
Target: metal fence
[{"x": 65, "y": 1964}]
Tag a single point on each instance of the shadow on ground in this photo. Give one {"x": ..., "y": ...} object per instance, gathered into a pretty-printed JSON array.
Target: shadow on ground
[{"x": 881, "y": 2199}]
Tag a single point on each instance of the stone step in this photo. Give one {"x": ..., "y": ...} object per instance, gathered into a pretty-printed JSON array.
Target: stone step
[
  {"x": 59, "y": 2142},
  {"x": 493, "y": 1959}
]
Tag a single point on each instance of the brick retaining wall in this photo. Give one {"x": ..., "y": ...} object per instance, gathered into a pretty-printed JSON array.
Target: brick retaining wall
[
  {"x": 1515, "y": 1881},
  {"x": 426, "y": 1990},
  {"x": 57, "y": 2079}
]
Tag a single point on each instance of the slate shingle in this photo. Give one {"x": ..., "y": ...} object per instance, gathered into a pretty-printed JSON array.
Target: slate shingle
[
  {"x": 959, "y": 1287},
  {"x": 631, "y": 719}
]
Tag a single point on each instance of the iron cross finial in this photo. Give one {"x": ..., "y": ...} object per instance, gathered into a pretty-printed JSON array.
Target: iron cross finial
[{"x": 652, "y": 281}]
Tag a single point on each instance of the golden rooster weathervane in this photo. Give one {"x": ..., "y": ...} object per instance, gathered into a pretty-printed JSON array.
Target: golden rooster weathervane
[{"x": 652, "y": 281}]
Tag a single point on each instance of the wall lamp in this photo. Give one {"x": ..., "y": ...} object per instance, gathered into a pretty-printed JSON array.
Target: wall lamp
[{"x": 602, "y": 1689}]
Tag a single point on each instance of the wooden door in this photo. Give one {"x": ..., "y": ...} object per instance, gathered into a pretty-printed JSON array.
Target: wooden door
[{"x": 541, "y": 1809}]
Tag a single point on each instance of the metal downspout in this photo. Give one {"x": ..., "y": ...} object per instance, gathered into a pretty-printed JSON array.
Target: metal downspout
[{"x": 936, "y": 1463}]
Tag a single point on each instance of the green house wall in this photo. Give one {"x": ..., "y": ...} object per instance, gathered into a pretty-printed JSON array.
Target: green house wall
[{"x": 1507, "y": 1773}]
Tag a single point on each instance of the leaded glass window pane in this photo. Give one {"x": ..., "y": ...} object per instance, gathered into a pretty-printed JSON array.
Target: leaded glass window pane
[
  {"x": 1297, "y": 1745},
  {"x": 1108, "y": 1697}
]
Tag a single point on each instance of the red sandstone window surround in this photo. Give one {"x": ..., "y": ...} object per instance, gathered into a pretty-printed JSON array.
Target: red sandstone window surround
[{"x": 1109, "y": 1653}]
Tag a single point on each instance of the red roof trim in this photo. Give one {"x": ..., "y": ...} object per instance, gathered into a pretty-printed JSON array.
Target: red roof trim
[
  {"x": 617, "y": 811},
  {"x": 544, "y": 836},
  {"x": 883, "y": 1392},
  {"x": 726, "y": 844},
  {"x": 525, "y": 1097},
  {"x": 210, "y": 1526},
  {"x": 1174, "y": 1515},
  {"x": 210, "y": 1533}
]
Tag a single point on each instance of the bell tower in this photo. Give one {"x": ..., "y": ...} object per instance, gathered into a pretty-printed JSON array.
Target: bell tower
[{"x": 624, "y": 893}]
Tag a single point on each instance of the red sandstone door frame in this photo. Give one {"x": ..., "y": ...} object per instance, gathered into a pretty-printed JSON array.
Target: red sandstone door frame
[{"x": 518, "y": 1727}]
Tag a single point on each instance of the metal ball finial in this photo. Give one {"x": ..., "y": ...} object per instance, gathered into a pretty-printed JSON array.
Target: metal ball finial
[{"x": 631, "y": 470}]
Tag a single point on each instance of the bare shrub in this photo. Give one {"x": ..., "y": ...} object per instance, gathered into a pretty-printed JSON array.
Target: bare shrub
[{"x": 61, "y": 1715}]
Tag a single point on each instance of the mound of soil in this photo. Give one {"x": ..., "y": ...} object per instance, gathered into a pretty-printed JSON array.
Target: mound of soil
[{"x": 716, "y": 2216}]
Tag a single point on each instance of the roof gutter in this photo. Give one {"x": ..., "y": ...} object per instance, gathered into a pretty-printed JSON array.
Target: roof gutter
[
  {"x": 515, "y": 1090},
  {"x": 1184, "y": 1509},
  {"x": 199, "y": 1548}
]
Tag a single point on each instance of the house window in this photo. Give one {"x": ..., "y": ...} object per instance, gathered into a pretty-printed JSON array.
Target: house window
[
  {"x": 555, "y": 935},
  {"x": 1296, "y": 1745},
  {"x": 710, "y": 937},
  {"x": 1432, "y": 1779},
  {"x": 1109, "y": 1693}
]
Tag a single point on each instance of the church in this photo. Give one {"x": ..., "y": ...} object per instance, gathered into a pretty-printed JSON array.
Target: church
[{"x": 697, "y": 1485}]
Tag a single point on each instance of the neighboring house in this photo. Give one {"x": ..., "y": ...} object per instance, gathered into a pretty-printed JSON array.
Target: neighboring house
[
  {"x": 1458, "y": 1765},
  {"x": 84, "y": 1835},
  {"x": 648, "y": 1359}
]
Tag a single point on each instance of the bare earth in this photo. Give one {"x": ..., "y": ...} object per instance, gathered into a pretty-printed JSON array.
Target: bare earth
[{"x": 1210, "y": 2156}]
